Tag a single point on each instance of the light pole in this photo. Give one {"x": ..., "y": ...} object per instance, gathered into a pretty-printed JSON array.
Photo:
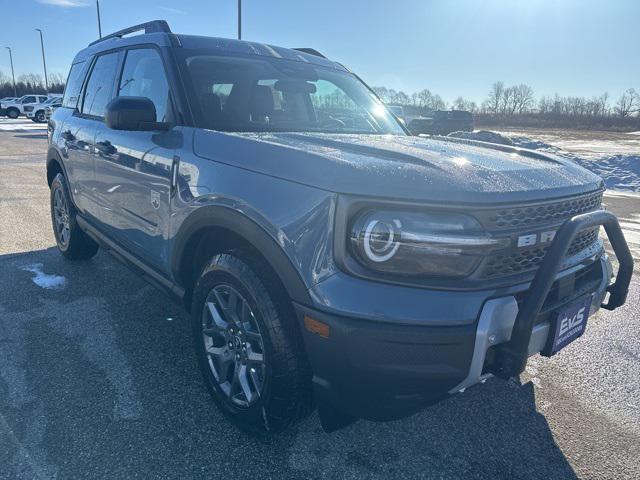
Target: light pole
[
  {"x": 44, "y": 63},
  {"x": 99, "y": 23},
  {"x": 13, "y": 75},
  {"x": 239, "y": 19}
]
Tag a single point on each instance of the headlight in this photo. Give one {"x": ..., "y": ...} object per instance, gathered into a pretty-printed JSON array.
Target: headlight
[{"x": 420, "y": 244}]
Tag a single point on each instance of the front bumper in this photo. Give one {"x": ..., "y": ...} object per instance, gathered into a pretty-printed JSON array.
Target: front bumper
[{"x": 382, "y": 369}]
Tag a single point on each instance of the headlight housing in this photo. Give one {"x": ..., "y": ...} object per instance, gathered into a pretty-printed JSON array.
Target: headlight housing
[{"x": 416, "y": 244}]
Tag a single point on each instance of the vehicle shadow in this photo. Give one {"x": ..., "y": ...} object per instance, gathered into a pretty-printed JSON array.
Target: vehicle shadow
[
  {"x": 98, "y": 380},
  {"x": 38, "y": 136}
]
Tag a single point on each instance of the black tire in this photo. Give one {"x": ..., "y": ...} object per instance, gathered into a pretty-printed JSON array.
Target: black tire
[
  {"x": 13, "y": 113},
  {"x": 74, "y": 244},
  {"x": 39, "y": 117},
  {"x": 287, "y": 394}
]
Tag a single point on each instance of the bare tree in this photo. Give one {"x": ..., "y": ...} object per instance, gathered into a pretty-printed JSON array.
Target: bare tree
[
  {"x": 507, "y": 105},
  {"x": 461, "y": 103},
  {"x": 522, "y": 98},
  {"x": 402, "y": 98},
  {"x": 32, "y": 79},
  {"x": 424, "y": 97},
  {"x": 495, "y": 99},
  {"x": 628, "y": 103}
]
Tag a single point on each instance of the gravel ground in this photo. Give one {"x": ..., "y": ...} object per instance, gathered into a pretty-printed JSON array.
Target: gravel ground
[{"x": 97, "y": 380}]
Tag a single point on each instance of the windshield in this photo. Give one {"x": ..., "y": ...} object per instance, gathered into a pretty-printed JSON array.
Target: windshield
[{"x": 256, "y": 94}]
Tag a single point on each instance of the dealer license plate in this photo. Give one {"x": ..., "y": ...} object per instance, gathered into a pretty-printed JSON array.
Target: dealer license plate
[{"x": 569, "y": 323}]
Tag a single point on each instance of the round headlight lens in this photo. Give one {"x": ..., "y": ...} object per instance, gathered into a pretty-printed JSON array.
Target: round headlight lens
[{"x": 382, "y": 239}]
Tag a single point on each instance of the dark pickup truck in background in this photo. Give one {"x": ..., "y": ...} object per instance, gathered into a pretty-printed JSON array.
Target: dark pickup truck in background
[{"x": 442, "y": 122}]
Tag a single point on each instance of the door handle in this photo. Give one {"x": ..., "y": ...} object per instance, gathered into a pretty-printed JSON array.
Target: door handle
[
  {"x": 68, "y": 136},
  {"x": 106, "y": 148}
]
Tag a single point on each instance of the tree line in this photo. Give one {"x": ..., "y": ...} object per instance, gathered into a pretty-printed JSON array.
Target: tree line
[
  {"x": 30, "y": 83},
  {"x": 519, "y": 100}
]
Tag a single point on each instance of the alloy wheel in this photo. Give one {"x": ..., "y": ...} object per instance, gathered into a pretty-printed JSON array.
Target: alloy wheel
[
  {"x": 61, "y": 217},
  {"x": 233, "y": 345}
]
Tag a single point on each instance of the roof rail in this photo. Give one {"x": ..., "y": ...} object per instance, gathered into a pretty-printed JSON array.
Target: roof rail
[
  {"x": 155, "y": 26},
  {"x": 310, "y": 51}
]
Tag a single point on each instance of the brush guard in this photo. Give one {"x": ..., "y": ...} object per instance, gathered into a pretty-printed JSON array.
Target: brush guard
[{"x": 512, "y": 356}]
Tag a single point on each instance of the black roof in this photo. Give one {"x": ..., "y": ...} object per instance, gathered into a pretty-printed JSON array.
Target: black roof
[{"x": 158, "y": 33}]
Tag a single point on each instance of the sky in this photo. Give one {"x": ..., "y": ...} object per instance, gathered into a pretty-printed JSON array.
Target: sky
[{"x": 452, "y": 47}]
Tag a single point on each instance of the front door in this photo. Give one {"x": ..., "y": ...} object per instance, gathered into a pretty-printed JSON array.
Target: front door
[{"x": 133, "y": 169}]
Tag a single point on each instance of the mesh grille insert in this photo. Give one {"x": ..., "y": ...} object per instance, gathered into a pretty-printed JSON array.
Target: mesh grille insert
[
  {"x": 525, "y": 260},
  {"x": 540, "y": 214}
]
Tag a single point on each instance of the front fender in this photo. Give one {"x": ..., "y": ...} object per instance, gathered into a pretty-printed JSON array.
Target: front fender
[{"x": 218, "y": 216}]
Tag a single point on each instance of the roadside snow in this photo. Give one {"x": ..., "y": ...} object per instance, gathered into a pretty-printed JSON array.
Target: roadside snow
[
  {"x": 43, "y": 280},
  {"x": 618, "y": 165},
  {"x": 483, "y": 136}
]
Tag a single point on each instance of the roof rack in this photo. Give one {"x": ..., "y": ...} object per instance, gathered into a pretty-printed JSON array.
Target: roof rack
[
  {"x": 155, "y": 26},
  {"x": 310, "y": 51}
]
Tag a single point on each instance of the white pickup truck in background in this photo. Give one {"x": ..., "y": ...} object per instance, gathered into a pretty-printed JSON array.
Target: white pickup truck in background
[
  {"x": 17, "y": 107},
  {"x": 38, "y": 111}
]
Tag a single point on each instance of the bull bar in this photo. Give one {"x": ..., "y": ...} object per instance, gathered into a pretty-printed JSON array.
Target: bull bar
[{"x": 512, "y": 355}]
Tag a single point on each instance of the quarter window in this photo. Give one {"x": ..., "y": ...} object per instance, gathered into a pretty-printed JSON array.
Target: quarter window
[
  {"x": 74, "y": 85},
  {"x": 144, "y": 76},
  {"x": 99, "y": 89}
]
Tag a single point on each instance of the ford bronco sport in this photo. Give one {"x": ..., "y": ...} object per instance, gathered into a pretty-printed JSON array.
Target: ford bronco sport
[{"x": 327, "y": 257}]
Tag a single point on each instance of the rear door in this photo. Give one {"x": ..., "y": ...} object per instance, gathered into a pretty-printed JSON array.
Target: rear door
[
  {"x": 133, "y": 168},
  {"x": 79, "y": 131}
]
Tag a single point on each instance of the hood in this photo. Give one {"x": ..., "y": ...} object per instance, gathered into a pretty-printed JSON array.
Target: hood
[{"x": 401, "y": 167}]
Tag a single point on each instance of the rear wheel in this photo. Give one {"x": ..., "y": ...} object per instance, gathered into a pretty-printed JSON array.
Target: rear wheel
[
  {"x": 248, "y": 346},
  {"x": 39, "y": 116},
  {"x": 72, "y": 242}
]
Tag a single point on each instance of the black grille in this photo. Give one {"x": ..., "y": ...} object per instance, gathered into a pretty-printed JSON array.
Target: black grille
[
  {"x": 524, "y": 260},
  {"x": 545, "y": 213}
]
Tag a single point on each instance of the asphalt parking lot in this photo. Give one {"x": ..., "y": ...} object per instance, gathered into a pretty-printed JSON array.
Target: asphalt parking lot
[{"x": 98, "y": 380}]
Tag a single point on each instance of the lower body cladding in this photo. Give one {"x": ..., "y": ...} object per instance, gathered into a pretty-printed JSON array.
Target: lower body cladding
[{"x": 381, "y": 370}]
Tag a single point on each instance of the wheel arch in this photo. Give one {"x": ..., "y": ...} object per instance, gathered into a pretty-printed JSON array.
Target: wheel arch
[
  {"x": 214, "y": 229},
  {"x": 54, "y": 165}
]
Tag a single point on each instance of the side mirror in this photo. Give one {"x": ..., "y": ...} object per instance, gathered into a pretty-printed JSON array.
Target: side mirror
[{"x": 133, "y": 114}]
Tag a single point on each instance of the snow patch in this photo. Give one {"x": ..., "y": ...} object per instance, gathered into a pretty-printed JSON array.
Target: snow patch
[
  {"x": 43, "y": 280},
  {"x": 619, "y": 167},
  {"x": 483, "y": 136}
]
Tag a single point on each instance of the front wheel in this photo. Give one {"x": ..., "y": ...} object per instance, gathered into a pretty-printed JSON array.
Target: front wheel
[
  {"x": 248, "y": 346},
  {"x": 13, "y": 113},
  {"x": 72, "y": 242}
]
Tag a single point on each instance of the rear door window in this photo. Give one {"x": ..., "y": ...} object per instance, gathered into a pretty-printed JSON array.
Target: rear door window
[{"x": 100, "y": 86}]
